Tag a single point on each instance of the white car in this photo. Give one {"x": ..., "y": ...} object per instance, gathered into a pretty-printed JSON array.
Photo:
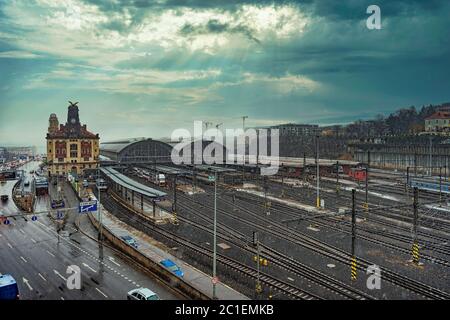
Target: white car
[{"x": 142, "y": 294}]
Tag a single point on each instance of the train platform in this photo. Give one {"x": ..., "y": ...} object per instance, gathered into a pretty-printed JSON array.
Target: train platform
[{"x": 152, "y": 249}]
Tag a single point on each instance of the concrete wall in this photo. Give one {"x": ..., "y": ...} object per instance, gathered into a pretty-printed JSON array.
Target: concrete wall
[{"x": 154, "y": 267}]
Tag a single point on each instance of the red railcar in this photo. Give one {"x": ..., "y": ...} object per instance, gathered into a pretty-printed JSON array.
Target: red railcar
[{"x": 358, "y": 174}]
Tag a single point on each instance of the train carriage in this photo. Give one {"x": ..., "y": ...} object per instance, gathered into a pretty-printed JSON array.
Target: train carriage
[{"x": 430, "y": 184}]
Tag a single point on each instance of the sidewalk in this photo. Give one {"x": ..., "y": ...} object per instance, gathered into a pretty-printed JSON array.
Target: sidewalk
[{"x": 153, "y": 250}]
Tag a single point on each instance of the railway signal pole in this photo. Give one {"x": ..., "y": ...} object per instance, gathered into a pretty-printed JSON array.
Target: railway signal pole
[
  {"x": 415, "y": 246},
  {"x": 258, "y": 288},
  {"x": 353, "y": 266}
]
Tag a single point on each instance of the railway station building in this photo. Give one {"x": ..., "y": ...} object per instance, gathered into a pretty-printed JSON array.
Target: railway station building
[
  {"x": 71, "y": 147},
  {"x": 150, "y": 151}
]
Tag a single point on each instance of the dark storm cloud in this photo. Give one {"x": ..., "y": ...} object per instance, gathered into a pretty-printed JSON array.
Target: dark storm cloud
[
  {"x": 216, "y": 27},
  {"x": 359, "y": 72}
]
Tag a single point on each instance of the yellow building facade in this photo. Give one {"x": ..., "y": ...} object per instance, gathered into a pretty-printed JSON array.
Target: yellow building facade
[{"x": 71, "y": 148}]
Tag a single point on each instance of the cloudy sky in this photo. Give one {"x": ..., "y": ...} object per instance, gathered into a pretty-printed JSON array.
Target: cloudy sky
[{"x": 144, "y": 68}]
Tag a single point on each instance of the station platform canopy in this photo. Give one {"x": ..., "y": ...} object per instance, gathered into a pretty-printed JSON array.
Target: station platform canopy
[
  {"x": 168, "y": 170},
  {"x": 204, "y": 167},
  {"x": 130, "y": 184}
]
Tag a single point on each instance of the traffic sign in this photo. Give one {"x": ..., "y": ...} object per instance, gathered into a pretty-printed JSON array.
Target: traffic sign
[
  {"x": 59, "y": 215},
  {"x": 88, "y": 206},
  {"x": 7, "y": 222},
  {"x": 215, "y": 280},
  {"x": 211, "y": 178},
  {"x": 33, "y": 218}
]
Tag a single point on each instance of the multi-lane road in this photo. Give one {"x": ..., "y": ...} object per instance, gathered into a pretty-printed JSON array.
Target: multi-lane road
[{"x": 41, "y": 262}]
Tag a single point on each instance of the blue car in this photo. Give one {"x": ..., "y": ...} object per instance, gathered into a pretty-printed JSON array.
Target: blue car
[
  {"x": 130, "y": 241},
  {"x": 57, "y": 204},
  {"x": 169, "y": 264}
]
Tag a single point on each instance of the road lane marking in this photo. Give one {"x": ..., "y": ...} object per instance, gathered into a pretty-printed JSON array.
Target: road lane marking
[
  {"x": 26, "y": 282},
  {"x": 50, "y": 253},
  {"x": 9, "y": 245},
  {"x": 22, "y": 231},
  {"x": 78, "y": 247},
  {"x": 34, "y": 241},
  {"x": 23, "y": 259},
  {"x": 113, "y": 261},
  {"x": 59, "y": 274},
  {"x": 40, "y": 275},
  {"x": 87, "y": 266},
  {"x": 62, "y": 298},
  {"x": 101, "y": 293}
]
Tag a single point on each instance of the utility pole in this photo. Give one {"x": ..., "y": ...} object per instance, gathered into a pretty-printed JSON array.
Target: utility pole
[
  {"x": 245, "y": 148},
  {"x": 215, "y": 237},
  {"x": 266, "y": 204},
  {"x": 353, "y": 266},
  {"x": 367, "y": 188},
  {"x": 431, "y": 156},
  {"x": 317, "y": 173},
  {"x": 337, "y": 177},
  {"x": 415, "y": 246},
  {"x": 194, "y": 179},
  {"x": 174, "y": 204},
  {"x": 440, "y": 186},
  {"x": 415, "y": 164},
  {"x": 407, "y": 178},
  {"x": 304, "y": 167}
]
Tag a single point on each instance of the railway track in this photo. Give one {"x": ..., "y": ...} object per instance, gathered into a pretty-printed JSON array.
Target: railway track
[
  {"x": 294, "y": 236},
  {"x": 144, "y": 225},
  {"x": 334, "y": 223},
  {"x": 280, "y": 259},
  {"x": 435, "y": 223},
  {"x": 332, "y": 252}
]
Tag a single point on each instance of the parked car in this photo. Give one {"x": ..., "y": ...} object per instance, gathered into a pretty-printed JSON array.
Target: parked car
[
  {"x": 4, "y": 197},
  {"x": 129, "y": 240},
  {"x": 57, "y": 204},
  {"x": 169, "y": 264},
  {"x": 142, "y": 294},
  {"x": 85, "y": 184}
]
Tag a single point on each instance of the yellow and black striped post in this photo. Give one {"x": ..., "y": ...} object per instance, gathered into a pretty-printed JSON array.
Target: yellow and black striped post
[
  {"x": 415, "y": 246},
  {"x": 415, "y": 253},
  {"x": 353, "y": 260},
  {"x": 353, "y": 269}
]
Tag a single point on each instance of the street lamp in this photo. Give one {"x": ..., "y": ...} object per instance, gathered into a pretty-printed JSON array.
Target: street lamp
[
  {"x": 99, "y": 208},
  {"x": 215, "y": 237}
]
